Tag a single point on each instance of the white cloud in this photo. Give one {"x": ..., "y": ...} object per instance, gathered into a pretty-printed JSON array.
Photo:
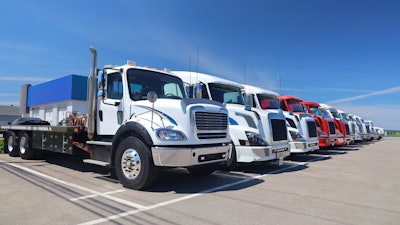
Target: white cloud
[
  {"x": 9, "y": 95},
  {"x": 358, "y": 97},
  {"x": 23, "y": 47}
]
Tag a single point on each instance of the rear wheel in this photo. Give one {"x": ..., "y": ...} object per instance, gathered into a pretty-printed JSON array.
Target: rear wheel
[
  {"x": 11, "y": 144},
  {"x": 134, "y": 165},
  {"x": 25, "y": 146}
]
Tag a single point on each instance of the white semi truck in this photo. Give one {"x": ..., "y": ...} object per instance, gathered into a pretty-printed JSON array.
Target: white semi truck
[
  {"x": 302, "y": 128},
  {"x": 256, "y": 135},
  {"x": 351, "y": 124},
  {"x": 138, "y": 119}
]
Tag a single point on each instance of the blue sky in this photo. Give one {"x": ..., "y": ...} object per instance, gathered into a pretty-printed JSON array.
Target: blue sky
[{"x": 342, "y": 52}]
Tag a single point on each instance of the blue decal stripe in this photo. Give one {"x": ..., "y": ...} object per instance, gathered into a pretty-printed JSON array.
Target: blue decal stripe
[
  {"x": 161, "y": 114},
  {"x": 232, "y": 121}
]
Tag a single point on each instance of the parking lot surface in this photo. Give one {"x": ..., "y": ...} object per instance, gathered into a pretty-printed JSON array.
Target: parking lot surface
[{"x": 359, "y": 184}]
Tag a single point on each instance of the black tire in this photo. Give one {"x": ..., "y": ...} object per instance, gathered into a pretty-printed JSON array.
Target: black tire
[
  {"x": 203, "y": 170},
  {"x": 25, "y": 146},
  {"x": 138, "y": 173},
  {"x": 232, "y": 159},
  {"x": 11, "y": 145}
]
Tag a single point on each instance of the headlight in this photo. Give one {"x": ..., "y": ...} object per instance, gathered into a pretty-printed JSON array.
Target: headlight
[
  {"x": 322, "y": 134},
  {"x": 296, "y": 136},
  {"x": 170, "y": 135},
  {"x": 255, "y": 139}
]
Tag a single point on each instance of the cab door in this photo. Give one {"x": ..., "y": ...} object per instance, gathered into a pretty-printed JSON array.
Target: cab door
[{"x": 110, "y": 104}]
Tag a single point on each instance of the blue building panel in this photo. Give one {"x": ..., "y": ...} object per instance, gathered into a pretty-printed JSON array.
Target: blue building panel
[{"x": 71, "y": 87}]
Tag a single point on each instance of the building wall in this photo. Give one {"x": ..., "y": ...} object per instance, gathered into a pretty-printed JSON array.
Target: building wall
[
  {"x": 8, "y": 114},
  {"x": 71, "y": 87},
  {"x": 55, "y": 112},
  {"x": 57, "y": 99}
]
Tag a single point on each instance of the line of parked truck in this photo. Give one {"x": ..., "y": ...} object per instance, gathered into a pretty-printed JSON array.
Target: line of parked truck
[{"x": 141, "y": 119}]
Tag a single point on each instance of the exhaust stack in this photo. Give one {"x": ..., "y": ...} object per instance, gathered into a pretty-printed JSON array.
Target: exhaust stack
[{"x": 91, "y": 95}]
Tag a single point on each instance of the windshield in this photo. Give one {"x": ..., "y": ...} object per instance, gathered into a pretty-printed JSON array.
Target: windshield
[
  {"x": 142, "y": 81},
  {"x": 335, "y": 114},
  {"x": 226, "y": 93},
  {"x": 267, "y": 101},
  {"x": 294, "y": 105},
  {"x": 316, "y": 111},
  {"x": 325, "y": 113}
]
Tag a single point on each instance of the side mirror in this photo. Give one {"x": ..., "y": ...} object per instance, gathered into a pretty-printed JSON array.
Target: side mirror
[
  {"x": 102, "y": 84},
  {"x": 197, "y": 90},
  {"x": 248, "y": 100},
  {"x": 152, "y": 96}
]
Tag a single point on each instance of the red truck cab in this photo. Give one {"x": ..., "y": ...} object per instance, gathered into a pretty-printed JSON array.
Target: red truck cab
[{"x": 325, "y": 125}]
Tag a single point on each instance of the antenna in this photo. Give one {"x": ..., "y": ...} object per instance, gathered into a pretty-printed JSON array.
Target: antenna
[
  {"x": 197, "y": 66},
  {"x": 245, "y": 65},
  {"x": 190, "y": 71},
  {"x": 280, "y": 84}
]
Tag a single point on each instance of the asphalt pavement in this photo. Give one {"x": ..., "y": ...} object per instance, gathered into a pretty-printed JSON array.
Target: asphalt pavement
[{"x": 359, "y": 184}]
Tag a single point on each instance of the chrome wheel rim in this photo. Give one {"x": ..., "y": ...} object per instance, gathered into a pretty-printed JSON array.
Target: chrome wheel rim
[
  {"x": 131, "y": 164},
  {"x": 22, "y": 145},
  {"x": 10, "y": 144}
]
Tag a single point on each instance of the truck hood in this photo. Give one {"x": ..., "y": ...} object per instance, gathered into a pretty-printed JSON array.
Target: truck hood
[{"x": 173, "y": 112}]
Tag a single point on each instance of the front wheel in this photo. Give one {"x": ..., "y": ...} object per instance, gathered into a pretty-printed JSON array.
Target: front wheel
[{"x": 134, "y": 165}]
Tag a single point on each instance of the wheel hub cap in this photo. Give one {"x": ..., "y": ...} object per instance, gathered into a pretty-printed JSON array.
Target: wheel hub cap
[{"x": 130, "y": 163}]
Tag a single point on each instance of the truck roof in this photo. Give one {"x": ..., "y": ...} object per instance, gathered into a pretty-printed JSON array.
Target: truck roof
[
  {"x": 131, "y": 64},
  {"x": 286, "y": 97},
  {"x": 313, "y": 104},
  {"x": 257, "y": 90},
  {"x": 190, "y": 78}
]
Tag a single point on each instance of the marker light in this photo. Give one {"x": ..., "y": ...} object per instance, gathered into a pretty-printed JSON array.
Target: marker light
[{"x": 131, "y": 62}]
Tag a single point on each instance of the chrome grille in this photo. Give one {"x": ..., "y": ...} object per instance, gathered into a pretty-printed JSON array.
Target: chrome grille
[
  {"x": 332, "y": 128},
  {"x": 279, "y": 132},
  {"x": 211, "y": 125},
  {"x": 312, "y": 129},
  {"x": 346, "y": 126}
]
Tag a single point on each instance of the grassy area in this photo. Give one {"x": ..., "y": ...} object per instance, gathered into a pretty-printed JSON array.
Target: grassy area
[{"x": 393, "y": 133}]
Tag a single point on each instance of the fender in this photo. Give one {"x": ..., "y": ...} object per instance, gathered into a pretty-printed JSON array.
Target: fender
[{"x": 130, "y": 129}]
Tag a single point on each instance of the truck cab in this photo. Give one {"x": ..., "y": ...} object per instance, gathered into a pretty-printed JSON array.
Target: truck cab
[
  {"x": 342, "y": 126},
  {"x": 352, "y": 124},
  {"x": 300, "y": 122},
  {"x": 251, "y": 130},
  {"x": 325, "y": 125}
]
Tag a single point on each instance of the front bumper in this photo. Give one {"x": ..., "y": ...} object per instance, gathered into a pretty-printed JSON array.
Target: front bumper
[
  {"x": 303, "y": 147},
  {"x": 249, "y": 154},
  {"x": 189, "y": 156}
]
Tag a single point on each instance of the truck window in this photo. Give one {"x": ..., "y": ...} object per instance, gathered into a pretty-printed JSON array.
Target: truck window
[
  {"x": 172, "y": 89},
  {"x": 226, "y": 93},
  {"x": 315, "y": 111},
  {"x": 294, "y": 106},
  {"x": 267, "y": 101},
  {"x": 114, "y": 86},
  {"x": 143, "y": 81}
]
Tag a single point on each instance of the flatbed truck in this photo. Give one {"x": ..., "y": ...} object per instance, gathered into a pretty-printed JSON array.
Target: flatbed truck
[{"x": 139, "y": 119}]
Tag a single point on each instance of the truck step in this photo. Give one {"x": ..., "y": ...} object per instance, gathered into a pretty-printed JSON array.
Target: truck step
[
  {"x": 104, "y": 143},
  {"x": 96, "y": 162}
]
